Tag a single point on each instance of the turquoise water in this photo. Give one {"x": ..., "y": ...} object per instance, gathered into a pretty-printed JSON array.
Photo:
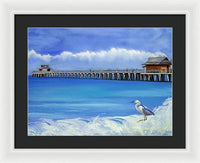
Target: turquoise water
[{"x": 78, "y": 103}]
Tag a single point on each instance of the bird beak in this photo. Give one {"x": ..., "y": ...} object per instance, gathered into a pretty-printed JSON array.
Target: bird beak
[{"x": 132, "y": 101}]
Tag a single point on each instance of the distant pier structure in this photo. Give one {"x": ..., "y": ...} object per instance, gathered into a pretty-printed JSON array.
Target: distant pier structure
[
  {"x": 158, "y": 65},
  {"x": 44, "y": 68},
  {"x": 151, "y": 72}
]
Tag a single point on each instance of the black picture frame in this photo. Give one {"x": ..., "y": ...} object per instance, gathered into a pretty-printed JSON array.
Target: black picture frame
[{"x": 176, "y": 21}]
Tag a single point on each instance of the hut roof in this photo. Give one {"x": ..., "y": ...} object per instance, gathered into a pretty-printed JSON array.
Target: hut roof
[
  {"x": 46, "y": 66},
  {"x": 157, "y": 61}
]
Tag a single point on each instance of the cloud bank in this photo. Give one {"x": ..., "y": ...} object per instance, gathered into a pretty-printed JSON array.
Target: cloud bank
[{"x": 115, "y": 58}]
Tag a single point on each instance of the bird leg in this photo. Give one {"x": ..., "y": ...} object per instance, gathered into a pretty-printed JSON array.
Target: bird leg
[{"x": 145, "y": 118}]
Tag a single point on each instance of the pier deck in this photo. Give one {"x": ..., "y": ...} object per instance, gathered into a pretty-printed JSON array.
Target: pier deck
[{"x": 133, "y": 75}]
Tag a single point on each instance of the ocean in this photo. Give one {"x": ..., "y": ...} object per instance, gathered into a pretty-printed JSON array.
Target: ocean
[{"x": 87, "y": 107}]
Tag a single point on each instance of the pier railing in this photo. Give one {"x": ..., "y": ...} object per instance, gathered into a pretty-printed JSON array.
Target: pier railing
[
  {"x": 100, "y": 71},
  {"x": 159, "y": 71}
]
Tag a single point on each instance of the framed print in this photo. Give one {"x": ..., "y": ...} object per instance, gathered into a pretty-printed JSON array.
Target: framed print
[{"x": 100, "y": 81}]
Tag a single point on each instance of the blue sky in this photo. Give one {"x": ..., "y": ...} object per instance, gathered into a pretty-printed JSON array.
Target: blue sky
[{"x": 58, "y": 46}]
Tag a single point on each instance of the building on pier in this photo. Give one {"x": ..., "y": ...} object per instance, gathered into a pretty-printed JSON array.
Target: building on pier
[
  {"x": 44, "y": 68},
  {"x": 157, "y": 65}
]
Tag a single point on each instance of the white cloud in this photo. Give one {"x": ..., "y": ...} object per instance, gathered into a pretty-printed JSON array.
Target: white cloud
[
  {"x": 33, "y": 55},
  {"x": 115, "y": 58}
]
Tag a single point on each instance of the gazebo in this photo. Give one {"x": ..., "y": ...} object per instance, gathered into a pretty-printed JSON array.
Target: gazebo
[
  {"x": 45, "y": 67},
  {"x": 157, "y": 65}
]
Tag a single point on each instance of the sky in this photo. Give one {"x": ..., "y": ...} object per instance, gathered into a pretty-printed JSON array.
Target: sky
[{"x": 96, "y": 48}]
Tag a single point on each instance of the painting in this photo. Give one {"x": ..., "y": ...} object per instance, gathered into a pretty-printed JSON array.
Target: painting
[{"x": 100, "y": 81}]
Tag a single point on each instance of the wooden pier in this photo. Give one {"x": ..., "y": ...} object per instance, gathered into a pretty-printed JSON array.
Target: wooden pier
[{"x": 132, "y": 75}]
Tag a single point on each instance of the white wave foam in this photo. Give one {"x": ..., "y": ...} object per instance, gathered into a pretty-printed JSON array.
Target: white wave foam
[{"x": 158, "y": 125}]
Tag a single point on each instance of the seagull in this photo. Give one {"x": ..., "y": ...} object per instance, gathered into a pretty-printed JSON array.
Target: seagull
[{"x": 142, "y": 110}]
